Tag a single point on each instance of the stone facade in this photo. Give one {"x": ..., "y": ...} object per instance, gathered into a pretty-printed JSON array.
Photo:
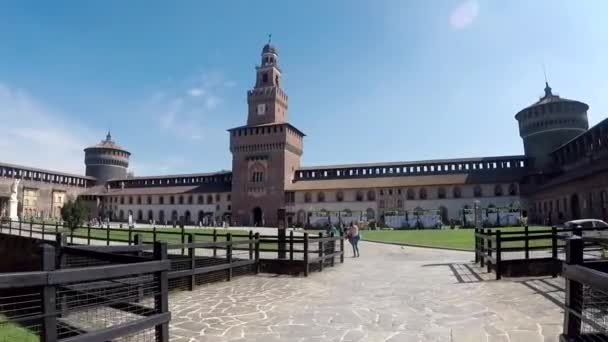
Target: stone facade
[{"x": 561, "y": 176}]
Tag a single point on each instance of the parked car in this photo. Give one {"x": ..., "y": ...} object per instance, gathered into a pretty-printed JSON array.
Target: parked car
[{"x": 586, "y": 224}]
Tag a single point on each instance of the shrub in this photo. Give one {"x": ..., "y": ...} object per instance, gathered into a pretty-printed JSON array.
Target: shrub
[{"x": 74, "y": 214}]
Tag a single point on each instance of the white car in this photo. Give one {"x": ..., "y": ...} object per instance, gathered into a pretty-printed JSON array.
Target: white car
[{"x": 586, "y": 224}]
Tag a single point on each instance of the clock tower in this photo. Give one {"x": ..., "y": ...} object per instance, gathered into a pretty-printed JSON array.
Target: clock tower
[{"x": 265, "y": 152}]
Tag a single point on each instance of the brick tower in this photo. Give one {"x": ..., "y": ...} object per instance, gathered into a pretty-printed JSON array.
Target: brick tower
[{"x": 266, "y": 151}]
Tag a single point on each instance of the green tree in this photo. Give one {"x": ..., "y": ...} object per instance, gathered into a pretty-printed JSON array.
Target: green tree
[{"x": 74, "y": 213}]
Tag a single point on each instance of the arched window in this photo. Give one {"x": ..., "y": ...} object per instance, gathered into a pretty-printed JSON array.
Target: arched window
[
  {"x": 256, "y": 173},
  {"x": 140, "y": 215},
  {"x": 150, "y": 215},
  {"x": 370, "y": 214},
  {"x": 339, "y": 196},
  {"x": 122, "y": 200},
  {"x": 371, "y": 195},
  {"x": 200, "y": 200},
  {"x": 190, "y": 199},
  {"x": 161, "y": 216},
  {"x": 130, "y": 200},
  {"x": 441, "y": 192},
  {"x": 149, "y": 199},
  {"x": 171, "y": 200},
  {"x": 321, "y": 197},
  {"x": 187, "y": 217},
  {"x": 456, "y": 192},
  {"x": 307, "y": 197},
  {"x": 498, "y": 190},
  {"x": 174, "y": 216},
  {"x": 477, "y": 192},
  {"x": 422, "y": 193},
  {"x": 181, "y": 199},
  {"x": 359, "y": 196},
  {"x": 161, "y": 200},
  {"x": 138, "y": 199},
  {"x": 121, "y": 215},
  {"x": 512, "y": 189},
  {"x": 411, "y": 194}
]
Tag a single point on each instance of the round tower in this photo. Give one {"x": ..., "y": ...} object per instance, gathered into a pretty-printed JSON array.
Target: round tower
[
  {"x": 548, "y": 123},
  {"x": 106, "y": 160}
]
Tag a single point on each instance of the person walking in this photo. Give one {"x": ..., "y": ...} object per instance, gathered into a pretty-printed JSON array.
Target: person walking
[{"x": 353, "y": 238}]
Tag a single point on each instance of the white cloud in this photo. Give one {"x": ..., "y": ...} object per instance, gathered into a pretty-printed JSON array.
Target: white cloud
[
  {"x": 183, "y": 109},
  {"x": 464, "y": 14},
  {"x": 34, "y": 135}
]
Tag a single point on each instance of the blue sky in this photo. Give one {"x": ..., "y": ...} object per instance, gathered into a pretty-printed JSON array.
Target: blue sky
[{"x": 368, "y": 81}]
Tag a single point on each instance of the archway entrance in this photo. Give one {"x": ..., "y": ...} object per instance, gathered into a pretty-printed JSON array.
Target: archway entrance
[
  {"x": 575, "y": 207},
  {"x": 257, "y": 217}
]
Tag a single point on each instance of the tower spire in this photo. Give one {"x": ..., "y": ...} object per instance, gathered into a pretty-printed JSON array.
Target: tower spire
[
  {"x": 547, "y": 88},
  {"x": 269, "y": 38},
  {"x": 109, "y": 136}
]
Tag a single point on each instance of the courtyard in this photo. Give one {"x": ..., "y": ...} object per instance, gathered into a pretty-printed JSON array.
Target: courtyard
[{"x": 392, "y": 293}]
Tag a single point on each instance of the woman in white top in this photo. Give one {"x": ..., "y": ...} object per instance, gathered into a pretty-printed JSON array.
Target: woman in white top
[{"x": 353, "y": 238}]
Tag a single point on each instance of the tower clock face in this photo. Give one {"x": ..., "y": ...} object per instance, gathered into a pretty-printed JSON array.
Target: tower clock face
[{"x": 262, "y": 109}]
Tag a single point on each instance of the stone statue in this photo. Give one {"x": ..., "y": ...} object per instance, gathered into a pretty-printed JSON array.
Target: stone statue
[
  {"x": 14, "y": 189},
  {"x": 122, "y": 185},
  {"x": 13, "y": 202}
]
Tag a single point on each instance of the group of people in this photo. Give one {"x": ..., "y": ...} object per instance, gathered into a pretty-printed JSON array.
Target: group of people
[{"x": 352, "y": 234}]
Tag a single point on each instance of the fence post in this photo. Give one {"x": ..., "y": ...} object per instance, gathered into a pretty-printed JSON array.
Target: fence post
[
  {"x": 320, "y": 252},
  {"x": 137, "y": 241},
  {"x": 482, "y": 247},
  {"x": 526, "y": 243},
  {"x": 554, "y": 248},
  {"x": 250, "y": 245},
  {"x": 19, "y": 227},
  {"x": 192, "y": 256},
  {"x": 257, "y": 253},
  {"x": 154, "y": 233},
  {"x": 229, "y": 256},
  {"x": 183, "y": 234},
  {"x": 31, "y": 228},
  {"x": 161, "y": 300},
  {"x": 333, "y": 249},
  {"x": 88, "y": 234},
  {"x": 476, "y": 244},
  {"x": 214, "y": 240},
  {"x": 49, "y": 322},
  {"x": 60, "y": 263},
  {"x": 498, "y": 256},
  {"x": 489, "y": 249},
  {"x": 306, "y": 269},
  {"x": 341, "y": 246},
  {"x": 578, "y": 231},
  {"x": 42, "y": 230},
  {"x": 574, "y": 290},
  {"x": 108, "y": 236},
  {"x": 130, "y": 234},
  {"x": 10, "y": 227},
  {"x": 291, "y": 245}
]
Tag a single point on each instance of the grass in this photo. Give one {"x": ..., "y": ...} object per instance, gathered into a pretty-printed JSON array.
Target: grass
[
  {"x": 14, "y": 332},
  {"x": 446, "y": 238},
  {"x": 170, "y": 235}
]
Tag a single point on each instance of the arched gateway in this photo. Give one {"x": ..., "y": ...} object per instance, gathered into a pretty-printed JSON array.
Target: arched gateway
[{"x": 257, "y": 217}]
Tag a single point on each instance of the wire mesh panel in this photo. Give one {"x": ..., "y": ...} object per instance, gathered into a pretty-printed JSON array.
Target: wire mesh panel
[{"x": 20, "y": 314}]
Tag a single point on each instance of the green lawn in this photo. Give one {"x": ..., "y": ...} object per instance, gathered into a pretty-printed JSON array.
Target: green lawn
[
  {"x": 447, "y": 238},
  {"x": 170, "y": 235},
  {"x": 13, "y": 332}
]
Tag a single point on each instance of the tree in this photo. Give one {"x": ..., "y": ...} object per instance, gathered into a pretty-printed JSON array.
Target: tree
[{"x": 74, "y": 213}]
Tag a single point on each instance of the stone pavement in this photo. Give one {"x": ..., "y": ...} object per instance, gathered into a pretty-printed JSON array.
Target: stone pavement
[{"x": 391, "y": 293}]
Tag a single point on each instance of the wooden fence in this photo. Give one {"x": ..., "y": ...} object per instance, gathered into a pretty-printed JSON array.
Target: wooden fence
[
  {"x": 586, "y": 300},
  {"x": 492, "y": 244},
  {"x": 115, "y": 298}
]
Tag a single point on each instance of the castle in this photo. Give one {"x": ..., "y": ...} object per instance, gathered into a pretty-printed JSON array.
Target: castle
[{"x": 562, "y": 174}]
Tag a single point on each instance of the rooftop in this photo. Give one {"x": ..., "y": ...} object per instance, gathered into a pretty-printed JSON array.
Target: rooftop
[
  {"x": 108, "y": 143},
  {"x": 35, "y": 169}
]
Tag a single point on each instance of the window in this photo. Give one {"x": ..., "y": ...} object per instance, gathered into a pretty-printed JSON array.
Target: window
[
  {"x": 359, "y": 196},
  {"x": 498, "y": 190},
  {"x": 190, "y": 200},
  {"x": 339, "y": 196},
  {"x": 161, "y": 200},
  {"x": 200, "y": 199},
  {"x": 441, "y": 193},
  {"x": 261, "y": 109},
  {"x": 456, "y": 192},
  {"x": 209, "y": 199},
  {"x": 422, "y": 193},
  {"x": 265, "y": 77},
  {"x": 138, "y": 199},
  {"x": 171, "y": 200},
  {"x": 371, "y": 195},
  {"x": 122, "y": 200},
  {"x": 411, "y": 194},
  {"x": 149, "y": 199},
  {"x": 477, "y": 191},
  {"x": 307, "y": 197},
  {"x": 512, "y": 190},
  {"x": 321, "y": 197}
]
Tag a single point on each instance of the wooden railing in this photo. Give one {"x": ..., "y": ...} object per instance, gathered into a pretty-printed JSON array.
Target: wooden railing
[
  {"x": 491, "y": 244},
  {"x": 586, "y": 300},
  {"x": 63, "y": 303}
]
